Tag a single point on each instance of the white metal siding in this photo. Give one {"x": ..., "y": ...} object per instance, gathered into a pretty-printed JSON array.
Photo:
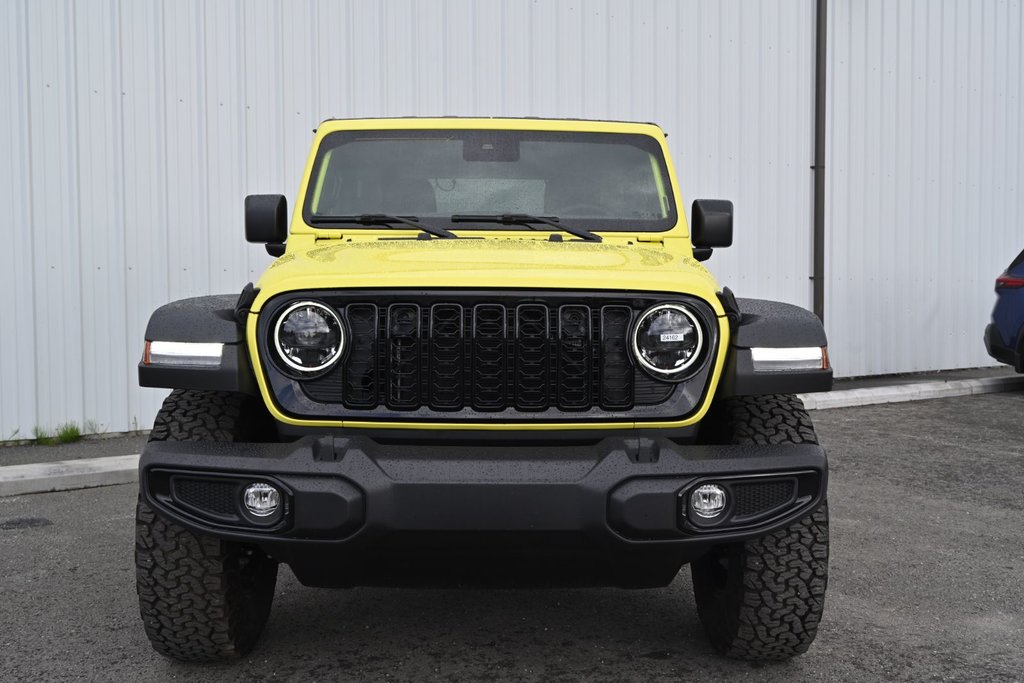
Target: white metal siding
[
  {"x": 132, "y": 130},
  {"x": 924, "y": 179}
]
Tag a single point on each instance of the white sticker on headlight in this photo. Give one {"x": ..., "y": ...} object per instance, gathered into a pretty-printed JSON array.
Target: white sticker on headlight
[{"x": 673, "y": 337}]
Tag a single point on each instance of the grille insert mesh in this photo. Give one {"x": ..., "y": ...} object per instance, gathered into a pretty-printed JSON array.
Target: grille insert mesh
[
  {"x": 216, "y": 497},
  {"x": 761, "y": 497}
]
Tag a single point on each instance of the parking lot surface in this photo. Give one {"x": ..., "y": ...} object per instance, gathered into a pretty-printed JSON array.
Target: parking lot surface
[
  {"x": 927, "y": 583},
  {"x": 97, "y": 447}
]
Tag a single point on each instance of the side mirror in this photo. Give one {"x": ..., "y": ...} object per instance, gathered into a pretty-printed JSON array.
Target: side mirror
[
  {"x": 711, "y": 224},
  {"x": 266, "y": 221}
]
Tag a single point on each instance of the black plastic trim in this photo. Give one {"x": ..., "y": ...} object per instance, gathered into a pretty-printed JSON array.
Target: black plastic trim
[
  {"x": 731, "y": 306},
  {"x": 443, "y": 488},
  {"x": 233, "y": 374},
  {"x": 199, "y": 319},
  {"x": 770, "y": 324},
  {"x": 244, "y": 304},
  {"x": 776, "y": 324},
  {"x": 740, "y": 379},
  {"x": 486, "y": 439},
  {"x": 1001, "y": 352},
  {"x": 805, "y": 486}
]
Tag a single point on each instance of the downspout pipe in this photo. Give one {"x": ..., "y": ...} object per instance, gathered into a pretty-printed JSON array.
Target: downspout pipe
[{"x": 818, "y": 240}]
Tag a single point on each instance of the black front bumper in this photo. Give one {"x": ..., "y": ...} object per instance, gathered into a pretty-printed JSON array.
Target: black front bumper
[{"x": 357, "y": 511}]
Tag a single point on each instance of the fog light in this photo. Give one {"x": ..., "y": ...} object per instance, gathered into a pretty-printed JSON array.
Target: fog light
[
  {"x": 261, "y": 500},
  {"x": 708, "y": 501}
]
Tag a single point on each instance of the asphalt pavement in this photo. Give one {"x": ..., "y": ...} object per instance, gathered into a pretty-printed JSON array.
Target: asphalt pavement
[
  {"x": 927, "y": 583},
  {"x": 90, "y": 447}
]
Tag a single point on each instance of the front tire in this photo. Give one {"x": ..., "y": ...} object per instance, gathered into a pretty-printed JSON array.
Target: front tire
[
  {"x": 763, "y": 599},
  {"x": 202, "y": 599}
]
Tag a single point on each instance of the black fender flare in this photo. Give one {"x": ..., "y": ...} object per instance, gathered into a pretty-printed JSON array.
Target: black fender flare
[
  {"x": 217, "y": 318},
  {"x": 771, "y": 324}
]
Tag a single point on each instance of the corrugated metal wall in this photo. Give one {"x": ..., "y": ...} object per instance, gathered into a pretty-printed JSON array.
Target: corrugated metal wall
[
  {"x": 133, "y": 129},
  {"x": 924, "y": 179}
]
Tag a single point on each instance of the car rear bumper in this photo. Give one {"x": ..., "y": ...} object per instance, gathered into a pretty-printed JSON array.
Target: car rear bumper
[
  {"x": 357, "y": 511},
  {"x": 998, "y": 349}
]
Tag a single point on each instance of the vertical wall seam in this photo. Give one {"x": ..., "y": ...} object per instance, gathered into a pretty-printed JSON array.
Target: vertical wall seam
[
  {"x": 75, "y": 169},
  {"x": 203, "y": 124},
  {"x": 243, "y": 88},
  {"x": 160, "y": 31},
  {"x": 121, "y": 204},
  {"x": 281, "y": 115},
  {"x": 27, "y": 145}
]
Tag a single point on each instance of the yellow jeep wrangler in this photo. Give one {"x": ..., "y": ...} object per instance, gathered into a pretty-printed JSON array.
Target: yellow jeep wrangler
[{"x": 487, "y": 352}]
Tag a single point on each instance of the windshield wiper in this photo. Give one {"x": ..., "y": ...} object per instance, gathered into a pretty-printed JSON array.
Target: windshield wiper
[
  {"x": 527, "y": 220},
  {"x": 383, "y": 219}
]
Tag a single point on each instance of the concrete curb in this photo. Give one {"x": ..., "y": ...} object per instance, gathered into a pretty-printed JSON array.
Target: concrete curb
[
  {"x": 916, "y": 391},
  {"x": 66, "y": 475},
  {"x": 17, "y": 480}
]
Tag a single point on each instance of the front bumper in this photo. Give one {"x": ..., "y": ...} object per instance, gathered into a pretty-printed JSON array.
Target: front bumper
[
  {"x": 357, "y": 511},
  {"x": 998, "y": 349}
]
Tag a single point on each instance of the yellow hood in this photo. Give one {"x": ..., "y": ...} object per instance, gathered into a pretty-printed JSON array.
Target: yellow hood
[{"x": 506, "y": 263}]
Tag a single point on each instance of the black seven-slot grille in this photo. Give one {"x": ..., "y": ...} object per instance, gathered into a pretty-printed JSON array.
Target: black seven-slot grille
[{"x": 485, "y": 354}]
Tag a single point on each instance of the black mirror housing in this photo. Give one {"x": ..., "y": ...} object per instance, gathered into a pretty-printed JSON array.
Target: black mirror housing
[
  {"x": 711, "y": 223},
  {"x": 266, "y": 221}
]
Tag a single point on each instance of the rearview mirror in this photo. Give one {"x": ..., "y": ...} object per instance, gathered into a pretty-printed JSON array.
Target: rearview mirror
[
  {"x": 266, "y": 221},
  {"x": 711, "y": 223}
]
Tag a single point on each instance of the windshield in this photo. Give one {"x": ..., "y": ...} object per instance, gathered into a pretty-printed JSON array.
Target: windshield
[{"x": 596, "y": 181}]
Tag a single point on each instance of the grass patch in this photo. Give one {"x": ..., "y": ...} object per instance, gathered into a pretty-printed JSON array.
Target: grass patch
[
  {"x": 43, "y": 437},
  {"x": 66, "y": 433}
]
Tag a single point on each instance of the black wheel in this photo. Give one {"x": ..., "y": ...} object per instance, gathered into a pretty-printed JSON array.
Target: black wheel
[
  {"x": 202, "y": 599},
  {"x": 763, "y": 599}
]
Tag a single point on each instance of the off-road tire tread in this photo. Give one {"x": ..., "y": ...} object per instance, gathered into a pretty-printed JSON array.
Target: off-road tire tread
[
  {"x": 191, "y": 415},
  {"x": 770, "y": 610},
  {"x": 200, "y": 598},
  {"x": 763, "y": 420}
]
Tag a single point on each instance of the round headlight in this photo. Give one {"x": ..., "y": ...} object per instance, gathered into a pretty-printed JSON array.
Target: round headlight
[
  {"x": 309, "y": 336},
  {"x": 668, "y": 339}
]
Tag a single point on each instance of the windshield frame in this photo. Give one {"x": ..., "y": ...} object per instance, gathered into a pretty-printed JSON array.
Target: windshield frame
[{"x": 334, "y": 139}]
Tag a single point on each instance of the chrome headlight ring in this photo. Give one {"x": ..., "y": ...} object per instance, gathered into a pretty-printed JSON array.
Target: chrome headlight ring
[
  {"x": 330, "y": 319},
  {"x": 678, "y": 371}
]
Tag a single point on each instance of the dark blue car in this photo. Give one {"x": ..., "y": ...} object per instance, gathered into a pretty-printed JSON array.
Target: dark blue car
[{"x": 1004, "y": 336}]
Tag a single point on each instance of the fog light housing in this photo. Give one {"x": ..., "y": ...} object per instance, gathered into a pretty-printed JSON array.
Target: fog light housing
[
  {"x": 261, "y": 500},
  {"x": 708, "y": 501}
]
